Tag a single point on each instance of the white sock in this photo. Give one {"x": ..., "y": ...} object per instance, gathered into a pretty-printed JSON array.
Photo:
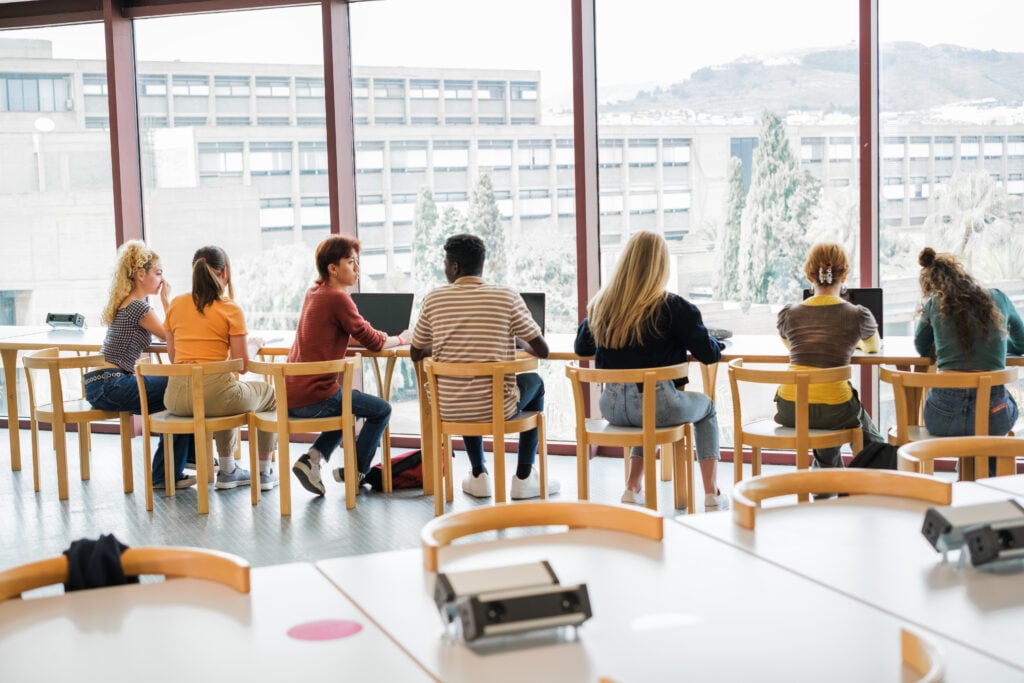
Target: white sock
[
  {"x": 227, "y": 464},
  {"x": 314, "y": 456},
  {"x": 264, "y": 466}
]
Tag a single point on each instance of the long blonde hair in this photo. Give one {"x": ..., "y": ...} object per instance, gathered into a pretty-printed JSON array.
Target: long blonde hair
[
  {"x": 625, "y": 310},
  {"x": 132, "y": 257}
]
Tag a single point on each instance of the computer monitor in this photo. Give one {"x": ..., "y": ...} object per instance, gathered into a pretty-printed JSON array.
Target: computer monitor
[
  {"x": 535, "y": 302},
  {"x": 389, "y": 312},
  {"x": 868, "y": 297}
]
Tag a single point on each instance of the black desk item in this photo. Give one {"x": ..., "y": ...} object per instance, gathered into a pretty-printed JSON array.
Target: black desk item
[
  {"x": 535, "y": 301},
  {"x": 389, "y": 312}
]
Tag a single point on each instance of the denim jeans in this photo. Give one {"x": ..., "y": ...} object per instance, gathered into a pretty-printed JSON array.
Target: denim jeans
[
  {"x": 827, "y": 416},
  {"x": 622, "y": 404},
  {"x": 376, "y": 411},
  {"x": 531, "y": 397},
  {"x": 950, "y": 412},
  {"x": 122, "y": 393}
]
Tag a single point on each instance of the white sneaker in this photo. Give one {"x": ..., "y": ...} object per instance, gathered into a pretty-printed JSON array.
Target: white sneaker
[
  {"x": 530, "y": 487},
  {"x": 719, "y": 501},
  {"x": 631, "y": 497},
  {"x": 479, "y": 486}
]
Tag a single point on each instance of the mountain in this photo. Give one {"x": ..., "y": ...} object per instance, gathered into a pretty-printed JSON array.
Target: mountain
[{"x": 913, "y": 77}]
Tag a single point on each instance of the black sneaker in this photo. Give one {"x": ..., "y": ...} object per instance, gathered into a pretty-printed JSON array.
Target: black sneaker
[
  {"x": 308, "y": 475},
  {"x": 183, "y": 482}
]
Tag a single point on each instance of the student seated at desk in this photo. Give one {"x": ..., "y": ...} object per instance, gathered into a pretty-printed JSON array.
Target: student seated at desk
[
  {"x": 822, "y": 332},
  {"x": 965, "y": 327},
  {"x": 329, "y": 319},
  {"x": 634, "y": 323},
  {"x": 131, "y": 326},
  {"x": 207, "y": 326},
  {"x": 470, "y": 321}
]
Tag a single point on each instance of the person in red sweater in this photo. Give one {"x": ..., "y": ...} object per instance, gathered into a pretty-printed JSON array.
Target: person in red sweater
[{"x": 329, "y": 319}]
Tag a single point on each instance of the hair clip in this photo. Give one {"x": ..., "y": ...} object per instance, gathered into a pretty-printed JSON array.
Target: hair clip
[{"x": 825, "y": 275}]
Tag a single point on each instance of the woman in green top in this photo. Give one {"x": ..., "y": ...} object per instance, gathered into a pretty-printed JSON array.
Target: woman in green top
[{"x": 965, "y": 327}]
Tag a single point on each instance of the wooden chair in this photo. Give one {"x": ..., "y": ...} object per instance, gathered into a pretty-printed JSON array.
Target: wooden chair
[
  {"x": 748, "y": 494},
  {"x": 598, "y": 432},
  {"x": 426, "y": 430},
  {"x": 766, "y": 433},
  {"x": 442, "y": 431},
  {"x": 279, "y": 421},
  {"x": 59, "y": 413},
  {"x": 172, "y": 562},
  {"x": 442, "y": 530},
  {"x": 198, "y": 423},
  {"x": 920, "y": 456},
  {"x": 923, "y": 657}
]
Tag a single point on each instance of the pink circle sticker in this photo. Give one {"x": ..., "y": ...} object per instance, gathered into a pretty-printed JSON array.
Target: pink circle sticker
[{"x": 328, "y": 629}]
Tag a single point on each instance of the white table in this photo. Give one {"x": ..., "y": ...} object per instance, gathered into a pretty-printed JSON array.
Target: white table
[
  {"x": 1012, "y": 485},
  {"x": 690, "y": 608},
  {"x": 871, "y": 548},
  {"x": 193, "y": 630}
]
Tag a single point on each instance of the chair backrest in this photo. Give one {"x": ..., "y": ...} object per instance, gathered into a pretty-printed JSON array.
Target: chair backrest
[
  {"x": 198, "y": 563},
  {"x": 908, "y": 387},
  {"x": 279, "y": 371},
  {"x": 923, "y": 656},
  {"x": 496, "y": 371},
  {"x": 51, "y": 361},
  {"x": 442, "y": 530},
  {"x": 195, "y": 371},
  {"x": 918, "y": 456},
  {"x": 648, "y": 377},
  {"x": 749, "y": 493},
  {"x": 801, "y": 379}
]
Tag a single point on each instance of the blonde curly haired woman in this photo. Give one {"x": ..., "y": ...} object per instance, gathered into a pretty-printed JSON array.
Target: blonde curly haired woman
[
  {"x": 131, "y": 326},
  {"x": 633, "y": 322}
]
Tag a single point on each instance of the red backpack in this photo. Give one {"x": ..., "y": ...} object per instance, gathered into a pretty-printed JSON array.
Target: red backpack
[{"x": 406, "y": 472}]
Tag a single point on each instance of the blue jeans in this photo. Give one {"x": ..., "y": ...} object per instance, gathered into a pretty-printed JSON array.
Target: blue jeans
[
  {"x": 531, "y": 397},
  {"x": 622, "y": 404},
  {"x": 376, "y": 411},
  {"x": 122, "y": 393},
  {"x": 950, "y": 412}
]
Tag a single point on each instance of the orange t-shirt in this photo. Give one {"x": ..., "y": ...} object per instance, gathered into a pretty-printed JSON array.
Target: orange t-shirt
[{"x": 203, "y": 337}]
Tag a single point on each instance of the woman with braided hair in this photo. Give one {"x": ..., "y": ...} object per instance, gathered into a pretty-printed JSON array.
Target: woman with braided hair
[
  {"x": 965, "y": 327},
  {"x": 822, "y": 332}
]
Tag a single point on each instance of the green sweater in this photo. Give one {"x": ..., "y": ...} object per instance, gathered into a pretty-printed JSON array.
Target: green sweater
[{"x": 936, "y": 337}]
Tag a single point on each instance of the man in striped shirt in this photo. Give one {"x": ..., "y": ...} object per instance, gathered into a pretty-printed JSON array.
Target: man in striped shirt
[{"x": 470, "y": 321}]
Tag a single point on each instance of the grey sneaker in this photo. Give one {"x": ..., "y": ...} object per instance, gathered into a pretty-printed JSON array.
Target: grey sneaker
[
  {"x": 308, "y": 474},
  {"x": 268, "y": 480},
  {"x": 229, "y": 480}
]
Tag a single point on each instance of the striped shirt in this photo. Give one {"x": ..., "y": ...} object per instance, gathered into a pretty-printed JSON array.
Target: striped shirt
[
  {"x": 126, "y": 337},
  {"x": 470, "y": 321}
]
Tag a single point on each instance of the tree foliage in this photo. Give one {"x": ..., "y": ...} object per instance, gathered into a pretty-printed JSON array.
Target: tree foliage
[
  {"x": 485, "y": 222},
  {"x": 776, "y": 217},
  {"x": 727, "y": 281},
  {"x": 427, "y": 257},
  {"x": 270, "y": 285}
]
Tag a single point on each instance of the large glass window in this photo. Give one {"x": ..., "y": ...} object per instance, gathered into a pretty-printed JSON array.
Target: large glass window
[
  {"x": 450, "y": 165},
  {"x": 250, "y": 180}
]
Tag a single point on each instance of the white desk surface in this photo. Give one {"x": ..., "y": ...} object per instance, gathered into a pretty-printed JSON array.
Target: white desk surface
[
  {"x": 871, "y": 549},
  {"x": 690, "y": 608},
  {"x": 193, "y": 630},
  {"x": 1012, "y": 485}
]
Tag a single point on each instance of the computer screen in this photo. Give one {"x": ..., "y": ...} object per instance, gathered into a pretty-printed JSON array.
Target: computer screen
[
  {"x": 535, "y": 302},
  {"x": 389, "y": 312},
  {"x": 868, "y": 297}
]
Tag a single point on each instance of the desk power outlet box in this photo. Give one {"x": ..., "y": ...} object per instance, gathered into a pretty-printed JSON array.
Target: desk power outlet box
[
  {"x": 451, "y": 586},
  {"x": 65, "y": 320},
  {"x": 945, "y": 526},
  {"x": 526, "y": 609},
  {"x": 995, "y": 542}
]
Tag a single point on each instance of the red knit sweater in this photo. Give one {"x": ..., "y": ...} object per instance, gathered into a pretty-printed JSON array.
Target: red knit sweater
[{"x": 329, "y": 318}]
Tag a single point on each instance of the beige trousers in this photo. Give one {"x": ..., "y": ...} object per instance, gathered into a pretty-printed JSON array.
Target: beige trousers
[{"x": 224, "y": 395}]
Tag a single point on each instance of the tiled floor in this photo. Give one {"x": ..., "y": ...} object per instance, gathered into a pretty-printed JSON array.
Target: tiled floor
[{"x": 37, "y": 525}]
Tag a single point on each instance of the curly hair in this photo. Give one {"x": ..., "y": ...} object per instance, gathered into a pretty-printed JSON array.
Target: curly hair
[
  {"x": 132, "y": 257},
  {"x": 960, "y": 297},
  {"x": 626, "y": 309}
]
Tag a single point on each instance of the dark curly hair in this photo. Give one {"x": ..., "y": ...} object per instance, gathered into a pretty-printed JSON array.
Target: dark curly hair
[{"x": 960, "y": 297}]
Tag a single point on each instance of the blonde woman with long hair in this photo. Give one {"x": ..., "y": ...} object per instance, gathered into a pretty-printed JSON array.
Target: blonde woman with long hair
[
  {"x": 131, "y": 326},
  {"x": 634, "y": 322}
]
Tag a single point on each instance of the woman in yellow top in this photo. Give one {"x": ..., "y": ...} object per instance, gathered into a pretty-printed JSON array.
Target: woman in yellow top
[
  {"x": 205, "y": 327},
  {"x": 823, "y": 332}
]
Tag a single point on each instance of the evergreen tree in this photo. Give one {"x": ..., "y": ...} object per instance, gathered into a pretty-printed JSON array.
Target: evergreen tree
[
  {"x": 776, "y": 217},
  {"x": 727, "y": 283},
  {"x": 452, "y": 223},
  {"x": 485, "y": 222},
  {"x": 427, "y": 255}
]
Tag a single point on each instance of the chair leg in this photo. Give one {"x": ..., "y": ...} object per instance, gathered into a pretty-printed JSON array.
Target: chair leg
[
  {"x": 385, "y": 460},
  {"x": 666, "y": 466},
  {"x": 169, "y": 483},
  {"x": 284, "y": 467},
  {"x": 127, "y": 472},
  {"x": 428, "y": 448},
  {"x": 737, "y": 461},
  {"x": 755, "y": 462},
  {"x": 680, "y": 479},
  {"x": 204, "y": 467},
  {"x": 582, "y": 469},
  {"x": 440, "y": 462},
  {"x": 83, "y": 451},
  {"x": 60, "y": 445},
  {"x": 147, "y": 465},
  {"x": 499, "y": 469},
  {"x": 35, "y": 453},
  {"x": 650, "y": 481},
  {"x": 449, "y": 470},
  {"x": 254, "y": 462},
  {"x": 351, "y": 482}
]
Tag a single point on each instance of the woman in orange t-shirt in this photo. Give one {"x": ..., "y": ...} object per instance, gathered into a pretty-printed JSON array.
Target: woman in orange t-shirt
[{"x": 204, "y": 327}]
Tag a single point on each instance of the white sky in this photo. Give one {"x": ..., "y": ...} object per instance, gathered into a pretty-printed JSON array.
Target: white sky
[{"x": 641, "y": 42}]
